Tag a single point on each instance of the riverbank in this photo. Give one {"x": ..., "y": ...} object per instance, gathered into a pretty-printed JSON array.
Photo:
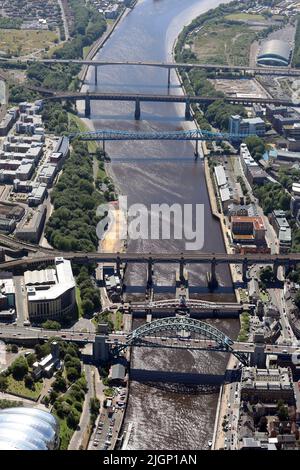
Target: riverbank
[{"x": 100, "y": 43}]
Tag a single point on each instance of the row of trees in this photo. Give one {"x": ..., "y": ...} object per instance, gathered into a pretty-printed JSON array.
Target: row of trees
[
  {"x": 72, "y": 225},
  {"x": 272, "y": 196},
  {"x": 57, "y": 77},
  {"x": 55, "y": 118},
  {"x": 90, "y": 295}
]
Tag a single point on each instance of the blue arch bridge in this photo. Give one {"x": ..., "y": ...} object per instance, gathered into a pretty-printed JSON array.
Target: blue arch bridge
[
  {"x": 195, "y": 135},
  {"x": 180, "y": 332}
]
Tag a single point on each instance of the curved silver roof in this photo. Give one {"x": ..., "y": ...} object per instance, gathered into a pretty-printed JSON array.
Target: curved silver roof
[
  {"x": 28, "y": 429},
  {"x": 275, "y": 50}
]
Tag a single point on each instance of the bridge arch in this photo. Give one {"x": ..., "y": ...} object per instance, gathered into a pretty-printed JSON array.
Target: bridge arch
[{"x": 171, "y": 325}]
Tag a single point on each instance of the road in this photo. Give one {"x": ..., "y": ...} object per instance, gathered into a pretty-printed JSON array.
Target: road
[
  {"x": 66, "y": 27},
  {"x": 78, "y": 435},
  {"x": 11, "y": 332},
  {"x": 21, "y": 300},
  {"x": 281, "y": 71}
]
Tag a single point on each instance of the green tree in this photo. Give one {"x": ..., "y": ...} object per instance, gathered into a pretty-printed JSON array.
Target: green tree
[
  {"x": 3, "y": 383},
  {"x": 73, "y": 419},
  {"x": 19, "y": 368},
  {"x": 28, "y": 380}
]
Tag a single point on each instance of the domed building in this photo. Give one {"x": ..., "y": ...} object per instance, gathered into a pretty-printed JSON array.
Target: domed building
[
  {"x": 275, "y": 53},
  {"x": 28, "y": 429}
]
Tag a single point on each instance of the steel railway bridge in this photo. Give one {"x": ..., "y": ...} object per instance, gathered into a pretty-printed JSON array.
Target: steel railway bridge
[{"x": 138, "y": 98}]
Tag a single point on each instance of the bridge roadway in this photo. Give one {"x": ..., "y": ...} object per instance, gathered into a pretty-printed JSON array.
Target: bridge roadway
[
  {"x": 23, "y": 334},
  {"x": 141, "y": 97},
  {"x": 281, "y": 71},
  {"x": 203, "y": 305},
  {"x": 191, "y": 257}
]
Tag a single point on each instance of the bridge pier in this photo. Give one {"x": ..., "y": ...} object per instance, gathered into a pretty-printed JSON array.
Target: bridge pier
[
  {"x": 181, "y": 271},
  {"x": 275, "y": 268},
  {"x": 287, "y": 269},
  {"x": 87, "y": 111},
  {"x": 118, "y": 266},
  {"x": 96, "y": 74},
  {"x": 137, "y": 112},
  {"x": 196, "y": 149},
  {"x": 100, "y": 349},
  {"x": 169, "y": 78},
  {"x": 245, "y": 269},
  {"x": 188, "y": 110},
  {"x": 150, "y": 274},
  {"x": 213, "y": 281}
]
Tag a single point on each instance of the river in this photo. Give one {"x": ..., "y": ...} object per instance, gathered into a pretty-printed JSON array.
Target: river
[{"x": 164, "y": 416}]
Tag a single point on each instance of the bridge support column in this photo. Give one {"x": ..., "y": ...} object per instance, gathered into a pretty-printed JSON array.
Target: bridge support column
[
  {"x": 245, "y": 269},
  {"x": 150, "y": 274},
  {"x": 103, "y": 145},
  {"x": 275, "y": 268},
  {"x": 258, "y": 357},
  {"x": 287, "y": 269},
  {"x": 169, "y": 78},
  {"x": 137, "y": 113},
  {"x": 87, "y": 111},
  {"x": 196, "y": 149},
  {"x": 181, "y": 271},
  {"x": 100, "y": 349},
  {"x": 213, "y": 281},
  {"x": 188, "y": 111},
  {"x": 96, "y": 74},
  {"x": 118, "y": 266}
]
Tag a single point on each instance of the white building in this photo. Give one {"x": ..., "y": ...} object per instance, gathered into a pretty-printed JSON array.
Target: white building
[{"x": 51, "y": 292}]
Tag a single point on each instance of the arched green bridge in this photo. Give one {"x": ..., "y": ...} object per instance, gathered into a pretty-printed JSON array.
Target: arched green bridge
[{"x": 181, "y": 332}]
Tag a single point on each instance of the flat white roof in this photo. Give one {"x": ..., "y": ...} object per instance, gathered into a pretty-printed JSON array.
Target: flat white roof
[{"x": 65, "y": 281}]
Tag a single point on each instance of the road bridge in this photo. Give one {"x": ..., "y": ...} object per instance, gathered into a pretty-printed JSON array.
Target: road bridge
[
  {"x": 179, "y": 332},
  {"x": 288, "y": 261},
  {"x": 138, "y": 98},
  {"x": 217, "y": 68}
]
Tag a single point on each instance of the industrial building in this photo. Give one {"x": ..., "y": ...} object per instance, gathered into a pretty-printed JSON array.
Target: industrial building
[
  {"x": 51, "y": 292},
  {"x": 275, "y": 53}
]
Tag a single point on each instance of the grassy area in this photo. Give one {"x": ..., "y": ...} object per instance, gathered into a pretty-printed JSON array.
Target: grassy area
[
  {"x": 222, "y": 43},
  {"x": 65, "y": 433},
  {"x": 17, "y": 387},
  {"x": 21, "y": 42},
  {"x": 244, "y": 17},
  {"x": 101, "y": 173},
  {"x": 82, "y": 127},
  {"x": 79, "y": 302},
  {"x": 118, "y": 321},
  {"x": 86, "y": 50},
  {"x": 264, "y": 296},
  {"x": 245, "y": 326}
]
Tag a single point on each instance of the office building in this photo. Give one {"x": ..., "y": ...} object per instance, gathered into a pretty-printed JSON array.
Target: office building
[
  {"x": 246, "y": 126},
  {"x": 51, "y": 292}
]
